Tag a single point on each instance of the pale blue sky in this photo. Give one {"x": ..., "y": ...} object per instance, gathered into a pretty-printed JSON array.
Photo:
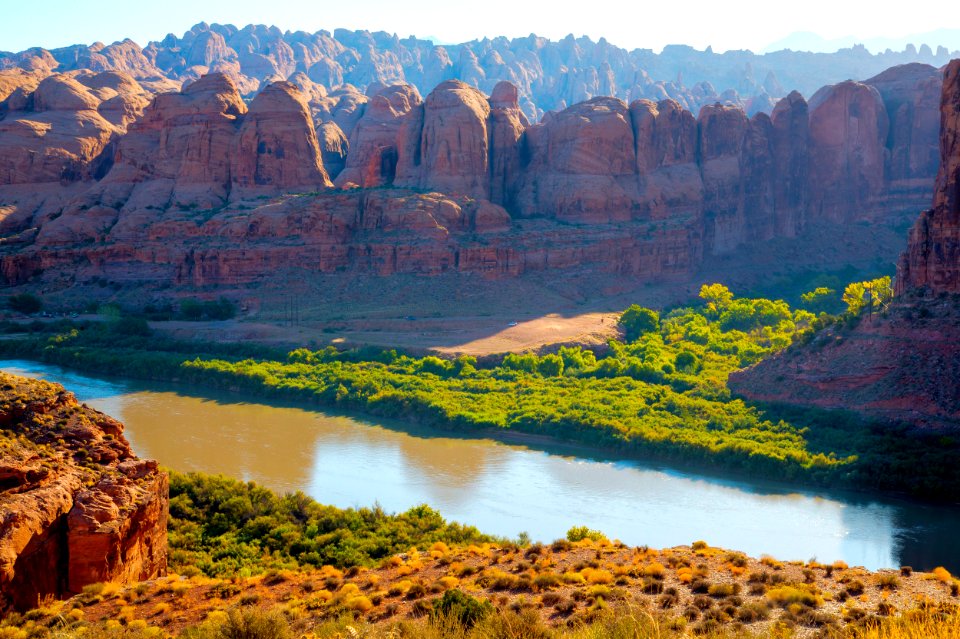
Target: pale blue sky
[{"x": 750, "y": 24}]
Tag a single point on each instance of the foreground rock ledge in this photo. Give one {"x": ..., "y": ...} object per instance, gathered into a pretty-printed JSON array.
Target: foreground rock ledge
[{"x": 76, "y": 505}]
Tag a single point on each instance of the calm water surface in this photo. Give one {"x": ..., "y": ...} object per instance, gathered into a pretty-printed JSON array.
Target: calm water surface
[{"x": 505, "y": 489}]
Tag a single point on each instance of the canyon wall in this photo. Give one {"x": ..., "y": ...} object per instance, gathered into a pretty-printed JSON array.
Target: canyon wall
[
  {"x": 932, "y": 258},
  {"x": 457, "y": 181},
  {"x": 76, "y": 505},
  {"x": 903, "y": 364}
]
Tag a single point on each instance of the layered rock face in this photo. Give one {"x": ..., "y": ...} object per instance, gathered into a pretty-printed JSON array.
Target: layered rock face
[
  {"x": 848, "y": 130},
  {"x": 76, "y": 505},
  {"x": 932, "y": 258},
  {"x": 641, "y": 173}
]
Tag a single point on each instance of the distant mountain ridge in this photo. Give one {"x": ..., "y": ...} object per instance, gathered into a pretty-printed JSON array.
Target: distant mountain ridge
[
  {"x": 939, "y": 39},
  {"x": 549, "y": 75}
]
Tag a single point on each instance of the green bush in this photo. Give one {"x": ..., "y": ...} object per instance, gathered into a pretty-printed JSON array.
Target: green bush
[
  {"x": 224, "y": 527},
  {"x": 461, "y": 608},
  {"x": 637, "y": 321},
  {"x": 199, "y": 310}
]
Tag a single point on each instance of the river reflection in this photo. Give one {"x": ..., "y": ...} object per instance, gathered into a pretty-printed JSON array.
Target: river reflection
[{"x": 505, "y": 489}]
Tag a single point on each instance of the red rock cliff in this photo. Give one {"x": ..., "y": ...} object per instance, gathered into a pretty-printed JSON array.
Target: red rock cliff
[
  {"x": 76, "y": 505},
  {"x": 932, "y": 258}
]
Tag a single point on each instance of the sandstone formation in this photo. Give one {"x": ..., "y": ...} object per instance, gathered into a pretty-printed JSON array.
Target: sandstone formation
[
  {"x": 276, "y": 146},
  {"x": 378, "y": 137},
  {"x": 932, "y": 258},
  {"x": 645, "y": 189},
  {"x": 76, "y": 505},
  {"x": 56, "y": 132},
  {"x": 848, "y": 130},
  {"x": 549, "y": 75},
  {"x": 902, "y": 365}
]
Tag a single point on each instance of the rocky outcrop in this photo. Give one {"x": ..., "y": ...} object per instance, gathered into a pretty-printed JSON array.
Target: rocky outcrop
[
  {"x": 76, "y": 505},
  {"x": 581, "y": 165},
  {"x": 901, "y": 367},
  {"x": 911, "y": 96},
  {"x": 549, "y": 75},
  {"x": 932, "y": 258},
  {"x": 390, "y": 125},
  {"x": 179, "y": 153},
  {"x": 454, "y": 153},
  {"x": 506, "y": 126},
  {"x": 791, "y": 157},
  {"x": 848, "y": 133},
  {"x": 276, "y": 147},
  {"x": 57, "y": 132}
]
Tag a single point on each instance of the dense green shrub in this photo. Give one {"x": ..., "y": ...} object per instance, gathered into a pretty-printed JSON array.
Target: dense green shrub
[
  {"x": 197, "y": 310},
  {"x": 223, "y": 527},
  {"x": 637, "y": 321},
  {"x": 461, "y": 608}
]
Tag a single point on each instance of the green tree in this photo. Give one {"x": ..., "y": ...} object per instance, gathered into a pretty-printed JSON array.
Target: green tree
[
  {"x": 882, "y": 292},
  {"x": 821, "y": 300},
  {"x": 637, "y": 321},
  {"x": 717, "y": 297},
  {"x": 872, "y": 295},
  {"x": 854, "y": 296}
]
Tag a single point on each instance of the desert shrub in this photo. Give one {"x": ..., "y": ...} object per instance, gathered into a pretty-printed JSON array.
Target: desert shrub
[
  {"x": 723, "y": 590},
  {"x": 251, "y": 623},
  {"x": 786, "y": 595},
  {"x": 579, "y": 533},
  {"x": 888, "y": 582},
  {"x": 547, "y": 580},
  {"x": 460, "y": 607},
  {"x": 753, "y": 611}
]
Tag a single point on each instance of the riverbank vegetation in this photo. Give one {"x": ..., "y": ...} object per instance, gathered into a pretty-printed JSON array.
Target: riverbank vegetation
[
  {"x": 659, "y": 393},
  {"x": 222, "y": 527}
]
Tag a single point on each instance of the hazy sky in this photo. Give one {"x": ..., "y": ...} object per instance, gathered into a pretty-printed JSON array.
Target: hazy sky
[{"x": 749, "y": 24}]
